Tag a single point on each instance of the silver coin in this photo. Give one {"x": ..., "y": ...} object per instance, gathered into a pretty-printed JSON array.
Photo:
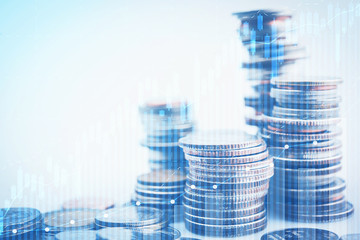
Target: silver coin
[
  {"x": 306, "y": 81},
  {"x": 221, "y": 203},
  {"x": 230, "y": 197},
  {"x": 226, "y": 230},
  {"x": 231, "y": 179},
  {"x": 219, "y": 140},
  {"x": 162, "y": 178},
  {"x": 353, "y": 236},
  {"x": 308, "y": 172},
  {"x": 242, "y": 173},
  {"x": 64, "y": 220},
  {"x": 203, "y": 210},
  {"x": 76, "y": 235},
  {"x": 230, "y": 167},
  {"x": 131, "y": 216},
  {"x": 299, "y": 137},
  {"x": 116, "y": 233},
  {"x": 249, "y": 160},
  {"x": 219, "y": 220},
  {"x": 226, "y": 153}
]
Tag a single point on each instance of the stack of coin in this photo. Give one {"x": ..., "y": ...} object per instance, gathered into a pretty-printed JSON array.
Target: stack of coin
[
  {"x": 20, "y": 223},
  {"x": 116, "y": 233},
  {"x": 268, "y": 37},
  {"x": 139, "y": 218},
  {"x": 164, "y": 123},
  {"x": 229, "y": 174},
  {"x": 300, "y": 234},
  {"x": 68, "y": 220},
  {"x": 76, "y": 235},
  {"x": 302, "y": 133},
  {"x": 161, "y": 189}
]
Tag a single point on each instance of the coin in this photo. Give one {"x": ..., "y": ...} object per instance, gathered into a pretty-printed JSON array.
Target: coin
[
  {"x": 299, "y": 137},
  {"x": 188, "y": 238},
  {"x": 231, "y": 185},
  {"x": 305, "y": 114},
  {"x": 306, "y": 81},
  {"x": 227, "y": 153},
  {"x": 204, "y": 190},
  {"x": 72, "y": 219},
  {"x": 219, "y": 180},
  {"x": 219, "y": 140},
  {"x": 332, "y": 189},
  {"x": 162, "y": 178},
  {"x": 20, "y": 222},
  {"x": 219, "y": 219},
  {"x": 226, "y": 230},
  {"x": 75, "y": 235},
  {"x": 353, "y": 236},
  {"x": 313, "y": 207},
  {"x": 238, "y": 180},
  {"x": 231, "y": 197},
  {"x": 164, "y": 123},
  {"x": 315, "y": 162},
  {"x": 238, "y": 161},
  {"x": 168, "y": 233},
  {"x": 300, "y": 234},
  {"x": 165, "y": 195},
  {"x": 116, "y": 233},
  {"x": 221, "y": 203},
  {"x": 230, "y": 164},
  {"x": 332, "y": 216},
  {"x": 203, "y": 210},
  {"x": 307, "y": 173},
  {"x": 13, "y": 218},
  {"x": 131, "y": 216}
]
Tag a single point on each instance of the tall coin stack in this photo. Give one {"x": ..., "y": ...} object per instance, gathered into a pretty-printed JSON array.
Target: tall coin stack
[
  {"x": 228, "y": 180},
  {"x": 267, "y": 35},
  {"x": 165, "y": 123},
  {"x": 302, "y": 134}
]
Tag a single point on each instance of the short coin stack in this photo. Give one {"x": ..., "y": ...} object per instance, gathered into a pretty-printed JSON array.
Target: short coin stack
[
  {"x": 20, "y": 223},
  {"x": 117, "y": 233},
  {"x": 267, "y": 35},
  {"x": 138, "y": 218},
  {"x": 165, "y": 123},
  {"x": 59, "y": 221},
  {"x": 161, "y": 189},
  {"x": 302, "y": 133},
  {"x": 227, "y": 183}
]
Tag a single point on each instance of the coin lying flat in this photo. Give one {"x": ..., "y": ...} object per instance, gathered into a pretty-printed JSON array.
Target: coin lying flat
[
  {"x": 76, "y": 235},
  {"x": 131, "y": 216},
  {"x": 353, "y": 236},
  {"x": 20, "y": 222},
  {"x": 226, "y": 230},
  {"x": 339, "y": 214},
  {"x": 300, "y": 234},
  {"x": 219, "y": 140},
  {"x": 116, "y": 233},
  {"x": 13, "y": 218},
  {"x": 304, "y": 82},
  {"x": 65, "y": 220},
  {"x": 162, "y": 177}
]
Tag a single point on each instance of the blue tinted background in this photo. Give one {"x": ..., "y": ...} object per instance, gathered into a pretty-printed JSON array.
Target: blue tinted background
[{"x": 72, "y": 74}]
